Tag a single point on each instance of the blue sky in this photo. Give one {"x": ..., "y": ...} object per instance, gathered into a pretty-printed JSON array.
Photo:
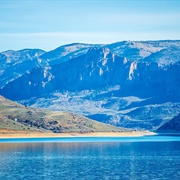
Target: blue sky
[{"x": 47, "y": 24}]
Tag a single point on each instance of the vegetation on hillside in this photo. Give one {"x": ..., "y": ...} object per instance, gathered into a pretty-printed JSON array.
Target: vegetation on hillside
[{"x": 14, "y": 116}]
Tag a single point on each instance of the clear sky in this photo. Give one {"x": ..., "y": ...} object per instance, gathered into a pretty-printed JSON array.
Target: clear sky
[{"x": 47, "y": 24}]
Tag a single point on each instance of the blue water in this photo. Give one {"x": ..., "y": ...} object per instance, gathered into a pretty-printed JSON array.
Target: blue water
[{"x": 146, "y": 158}]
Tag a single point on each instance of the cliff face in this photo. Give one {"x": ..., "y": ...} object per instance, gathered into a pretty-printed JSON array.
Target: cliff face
[
  {"x": 129, "y": 84},
  {"x": 97, "y": 69}
]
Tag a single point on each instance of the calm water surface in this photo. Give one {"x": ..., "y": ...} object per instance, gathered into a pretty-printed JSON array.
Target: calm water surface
[{"x": 146, "y": 158}]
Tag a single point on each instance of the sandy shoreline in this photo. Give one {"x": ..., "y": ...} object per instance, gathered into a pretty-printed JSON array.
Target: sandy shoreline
[{"x": 97, "y": 134}]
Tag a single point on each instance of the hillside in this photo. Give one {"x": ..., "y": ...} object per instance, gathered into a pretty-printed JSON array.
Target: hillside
[
  {"x": 16, "y": 117},
  {"x": 171, "y": 126}
]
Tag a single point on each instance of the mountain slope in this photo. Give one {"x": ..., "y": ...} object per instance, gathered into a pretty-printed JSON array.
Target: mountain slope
[
  {"x": 14, "y": 116},
  {"x": 66, "y": 52},
  {"x": 13, "y": 64},
  {"x": 139, "y": 50},
  {"x": 171, "y": 126}
]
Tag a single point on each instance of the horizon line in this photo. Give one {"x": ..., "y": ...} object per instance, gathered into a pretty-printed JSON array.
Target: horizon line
[{"x": 73, "y": 43}]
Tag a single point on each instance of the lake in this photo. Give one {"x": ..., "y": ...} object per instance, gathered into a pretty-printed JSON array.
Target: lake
[{"x": 91, "y": 158}]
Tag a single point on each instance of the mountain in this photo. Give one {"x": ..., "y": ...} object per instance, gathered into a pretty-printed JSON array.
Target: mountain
[
  {"x": 139, "y": 50},
  {"x": 13, "y": 64},
  {"x": 170, "y": 126},
  {"x": 16, "y": 117},
  {"x": 132, "y": 84},
  {"x": 66, "y": 52}
]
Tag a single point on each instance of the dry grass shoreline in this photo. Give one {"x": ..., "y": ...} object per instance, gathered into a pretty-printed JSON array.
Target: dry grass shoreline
[{"x": 22, "y": 134}]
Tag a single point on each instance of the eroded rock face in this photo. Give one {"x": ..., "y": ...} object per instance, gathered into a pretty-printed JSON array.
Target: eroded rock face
[{"x": 95, "y": 70}]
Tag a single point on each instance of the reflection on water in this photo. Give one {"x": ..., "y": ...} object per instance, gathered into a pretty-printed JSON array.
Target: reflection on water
[{"x": 116, "y": 160}]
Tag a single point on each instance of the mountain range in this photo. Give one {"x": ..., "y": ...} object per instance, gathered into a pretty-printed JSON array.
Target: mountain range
[{"x": 131, "y": 84}]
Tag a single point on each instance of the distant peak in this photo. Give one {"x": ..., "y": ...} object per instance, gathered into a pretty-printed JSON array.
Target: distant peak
[
  {"x": 31, "y": 50},
  {"x": 8, "y": 51}
]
